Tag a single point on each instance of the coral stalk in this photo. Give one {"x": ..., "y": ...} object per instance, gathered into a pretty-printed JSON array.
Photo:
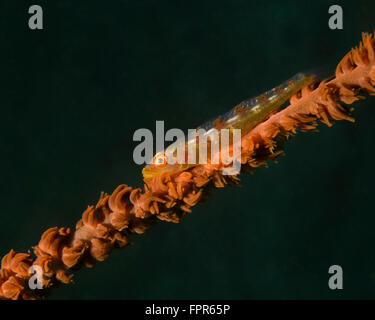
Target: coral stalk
[{"x": 127, "y": 211}]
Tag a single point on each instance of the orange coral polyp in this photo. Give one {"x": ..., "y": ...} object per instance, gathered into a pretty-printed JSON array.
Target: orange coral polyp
[{"x": 169, "y": 197}]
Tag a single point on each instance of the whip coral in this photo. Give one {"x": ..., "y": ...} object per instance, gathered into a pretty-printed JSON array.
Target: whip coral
[{"x": 169, "y": 197}]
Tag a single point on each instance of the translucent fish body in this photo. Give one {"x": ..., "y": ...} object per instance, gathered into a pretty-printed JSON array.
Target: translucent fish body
[
  {"x": 244, "y": 116},
  {"x": 247, "y": 114}
]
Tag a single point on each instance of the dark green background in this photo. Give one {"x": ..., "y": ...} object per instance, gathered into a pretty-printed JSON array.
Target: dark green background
[{"x": 73, "y": 94}]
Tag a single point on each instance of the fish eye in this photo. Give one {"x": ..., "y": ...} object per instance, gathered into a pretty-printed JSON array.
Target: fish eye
[{"x": 159, "y": 160}]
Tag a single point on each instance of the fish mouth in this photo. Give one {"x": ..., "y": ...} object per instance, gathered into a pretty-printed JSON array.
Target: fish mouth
[{"x": 146, "y": 173}]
